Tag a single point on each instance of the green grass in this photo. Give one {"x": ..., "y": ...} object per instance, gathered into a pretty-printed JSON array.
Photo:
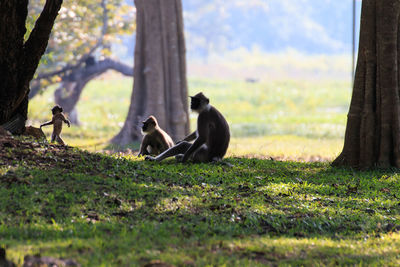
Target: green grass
[
  {"x": 310, "y": 111},
  {"x": 300, "y": 108},
  {"x": 254, "y": 210},
  {"x": 122, "y": 211},
  {"x": 242, "y": 64}
]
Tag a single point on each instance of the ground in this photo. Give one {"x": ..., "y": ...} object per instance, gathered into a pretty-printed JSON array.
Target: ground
[{"x": 118, "y": 210}]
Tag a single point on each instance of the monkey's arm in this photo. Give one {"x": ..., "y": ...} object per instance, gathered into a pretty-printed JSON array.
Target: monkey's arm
[
  {"x": 190, "y": 137},
  {"x": 202, "y": 133},
  {"x": 143, "y": 146},
  {"x": 164, "y": 145},
  {"x": 47, "y": 123},
  {"x": 66, "y": 121},
  {"x": 198, "y": 143}
]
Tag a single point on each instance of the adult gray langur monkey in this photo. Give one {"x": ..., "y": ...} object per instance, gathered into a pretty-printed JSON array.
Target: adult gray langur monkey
[{"x": 211, "y": 138}]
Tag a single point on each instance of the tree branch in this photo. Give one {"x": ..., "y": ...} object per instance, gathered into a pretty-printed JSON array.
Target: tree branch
[
  {"x": 69, "y": 67},
  {"x": 101, "y": 67},
  {"x": 36, "y": 45},
  {"x": 83, "y": 73}
]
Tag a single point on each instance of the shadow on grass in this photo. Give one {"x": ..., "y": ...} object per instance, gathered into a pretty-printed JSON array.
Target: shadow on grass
[
  {"x": 124, "y": 244},
  {"x": 249, "y": 197},
  {"x": 125, "y": 202}
]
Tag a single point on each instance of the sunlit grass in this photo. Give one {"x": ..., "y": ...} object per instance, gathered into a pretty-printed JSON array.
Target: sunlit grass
[
  {"x": 246, "y": 251},
  {"x": 122, "y": 211},
  {"x": 255, "y": 64},
  {"x": 286, "y": 147}
]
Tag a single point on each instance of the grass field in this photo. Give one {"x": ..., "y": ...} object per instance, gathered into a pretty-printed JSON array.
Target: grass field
[
  {"x": 251, "y": 210},
  {"x": 122, "y": 211},
  {"x": 287, "y": 119}
]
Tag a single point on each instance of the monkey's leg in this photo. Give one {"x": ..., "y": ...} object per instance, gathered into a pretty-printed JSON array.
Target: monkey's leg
[
  {"x": 59, "y": 140},
  {"x": 201, "y": 154},
  {"x": 149, "y": 150},
  {"x": 53, "y": 137},
  {"x": 180, "y": 148},
  {"x": 216, "y": 159}
]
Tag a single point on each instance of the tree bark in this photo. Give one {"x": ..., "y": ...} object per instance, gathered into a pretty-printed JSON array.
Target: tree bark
[
  {"x": 19, "y": 59},
  {"x": 70, "y": 90},
  {"x": 372, "y": 137},
  {"x": 160, "y": 85}
]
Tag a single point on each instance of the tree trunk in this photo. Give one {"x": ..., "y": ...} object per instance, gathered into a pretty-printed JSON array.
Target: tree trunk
[
  {"x": 19, "y": 59},
  {"x": 70, "y": 90},
  {"x": 372, "y": 136},
  {"x": 160, "y": 85}
]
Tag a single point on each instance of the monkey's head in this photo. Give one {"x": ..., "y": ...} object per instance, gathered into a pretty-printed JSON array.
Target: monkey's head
[
  {"x": 56, "y": 109},
  {"x": 199, "y": 102},
  {"x": 149, "y": 124}
]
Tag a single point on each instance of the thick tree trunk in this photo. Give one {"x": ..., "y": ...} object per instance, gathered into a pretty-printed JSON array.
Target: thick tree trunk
[
  {"x": 70, "y": 90},
  {"x": 19, "y": 59},
  {"x": 372, "y": 136},
  {"x": 160, "y": 85}
]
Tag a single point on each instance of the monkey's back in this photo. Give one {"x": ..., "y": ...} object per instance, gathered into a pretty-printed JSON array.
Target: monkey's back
[
  {"x": 164, "y": 141},
  {"x": 58, "y": 121},
  {"x": 219, "y": 135}
]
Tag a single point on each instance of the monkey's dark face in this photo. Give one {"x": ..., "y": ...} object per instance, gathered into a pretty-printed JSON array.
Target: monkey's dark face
[
  {"x": 56, "y": 109},
  {"x": 149, "y": 125},
  {"x": 198, "y": 102},
  {"x": 195, "y": 103}
]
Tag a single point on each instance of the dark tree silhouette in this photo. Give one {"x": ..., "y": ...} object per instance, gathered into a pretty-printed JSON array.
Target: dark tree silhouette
[
  {"x": 372, "y": 136},
  {"x": 19, "y": 58},
  {"x": 160, "y": 85}
]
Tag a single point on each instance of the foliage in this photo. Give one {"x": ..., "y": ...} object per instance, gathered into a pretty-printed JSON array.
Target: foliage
[
  {"x": 120, "y": 210},
  {"x": 80, "y": 28}
]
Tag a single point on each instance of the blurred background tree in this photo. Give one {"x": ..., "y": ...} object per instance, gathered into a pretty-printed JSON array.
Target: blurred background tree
[
  {"x": 80, "y": 47},
  {"x": 160, "y": 85}
]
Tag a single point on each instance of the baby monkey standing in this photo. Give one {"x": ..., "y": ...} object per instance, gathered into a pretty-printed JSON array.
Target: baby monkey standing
[{"x": 57, "y": 120}]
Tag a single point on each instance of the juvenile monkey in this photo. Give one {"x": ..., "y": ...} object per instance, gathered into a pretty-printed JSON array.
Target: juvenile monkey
[
  {"x": 211, "y": 139},
  {"x": 155, "y": 140},
  {"x": 57, "y": 120}
]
